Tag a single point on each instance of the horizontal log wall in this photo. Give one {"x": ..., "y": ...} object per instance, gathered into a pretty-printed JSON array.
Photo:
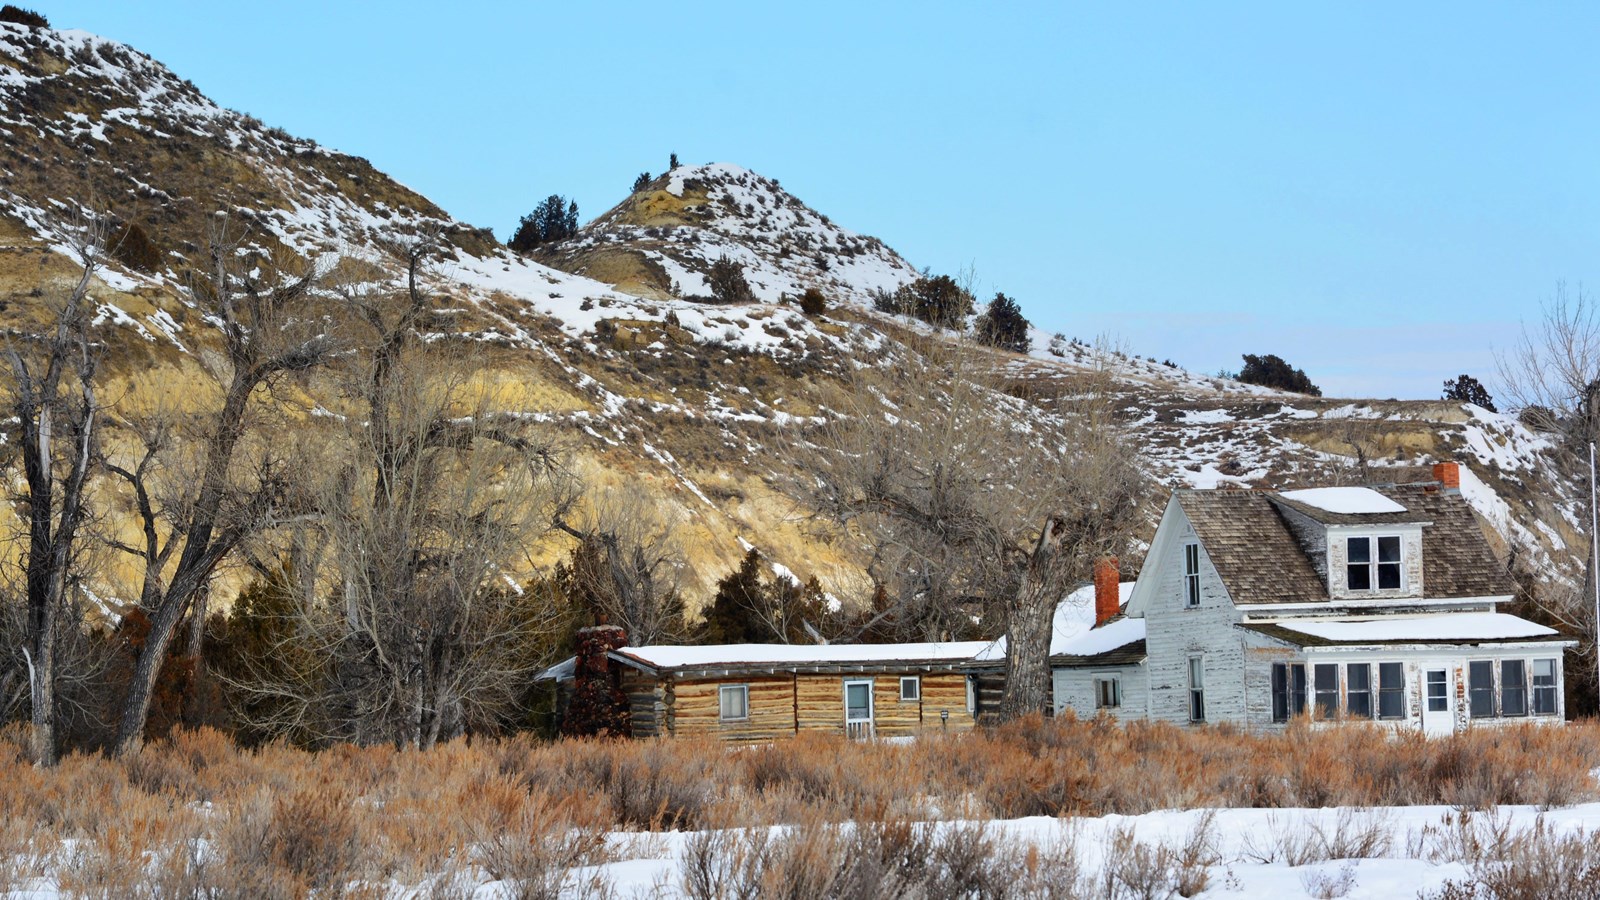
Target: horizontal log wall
[
  {"x": 697, "y": 709},
  {"x": 647, "y": 702},
  {"x": 945, "y": 691}
]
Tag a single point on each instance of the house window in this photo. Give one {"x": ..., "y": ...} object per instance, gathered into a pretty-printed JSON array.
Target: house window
[
  {"x": 735, "y": 701},
  {"x": 972, "y": 695},
  {"x": 1107, "y": 692},
  {"x": 1191, "y": 574},
  {"x": 1480, "y": 688},
  {"x": 910, "y": 688},
  {"x": 1366, "y": 570},
  {"x": 1197, "y": 689},
  {"x": 1358, "y": 690},
  {"x": 1391, "y": 691},
  {"x": 1288, "y": 690},
  {"x": 1325, "y": 681},
  {"x": 1513, "y": 687},
  {"x": 1437, "y": 690},
  {"x": 858, "y": 701},
  {"x": 1544, "y": 687}
]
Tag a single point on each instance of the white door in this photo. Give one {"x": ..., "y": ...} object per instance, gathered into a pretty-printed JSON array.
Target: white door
[
  {"x": 1438, "y": 700},
  {"x": 858, "y": 708}
]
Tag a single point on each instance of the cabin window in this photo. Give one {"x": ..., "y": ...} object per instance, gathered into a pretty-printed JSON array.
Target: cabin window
[
  {"x": 1369, "y": 568},
  {"x": 1325, "y": 682},
  {"x": 1288, "y": 690},
  {"x": 910, "y": 688},
  {"x": 1480, "y": 688},
  {"x": 1513, "y": 687},
  {"x": 1107, "y": 692},
  {"x": 735, "y": 701},
  {"x": 972, "y": 695},
  {"x": 858, "y": 701},
  {"x": 1544, "y": 687},
  {"x": 1191, "y": 574},
  {"x": 1391, "y": 691},
  {"x": 1197, "y": 689},
  {"x": 1358, "y": 690}
]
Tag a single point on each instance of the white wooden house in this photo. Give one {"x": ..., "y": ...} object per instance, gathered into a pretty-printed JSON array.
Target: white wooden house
[{"x": 1348, "y": 603}]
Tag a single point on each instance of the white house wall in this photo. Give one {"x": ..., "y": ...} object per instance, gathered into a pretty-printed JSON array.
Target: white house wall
[
  {"x": 1073, "y": 688},
  {"x": 1174, "y": 632}
]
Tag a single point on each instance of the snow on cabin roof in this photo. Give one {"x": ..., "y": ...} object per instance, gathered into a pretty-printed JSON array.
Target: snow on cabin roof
[
  {"x": 1073, "y": 632},
  {"x": 1440, "y": 628},
  {"x": 783, "y": 655},
  {"x": 1358, "y": 501}
]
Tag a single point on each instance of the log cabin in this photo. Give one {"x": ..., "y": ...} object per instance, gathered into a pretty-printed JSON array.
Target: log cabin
[{"x": 760, "y": 692}]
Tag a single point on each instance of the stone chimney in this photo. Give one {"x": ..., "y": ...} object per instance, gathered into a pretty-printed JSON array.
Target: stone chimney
[
  {"x": 1448, "y": 474},
  {"x": 1107, "y": 590},
  {"x": 598, "y": 705}
]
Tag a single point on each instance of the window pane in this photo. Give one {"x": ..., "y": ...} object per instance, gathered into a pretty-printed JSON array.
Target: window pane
[
  {"x": 1297, "y": 689},
  {"x": 1191, "y": 559},
  {"x": 1438, "y": 684},
  {"x": 1359, "y": 550},
  {"x": 858, "y": 700},
  {"x": 1480, "y": 688},
  {"x": 1388, "y": 576},
  {"x": 1326, "y": 682},
  {"x": 1280, "y": 692},
  {"x": 1358, "y": 690},
  {"x": 1388, "y": 549},
  {"x": 1391, "y": 691},
  {"x": 909, "y": 689},
  {"x": 1544, "y": 687},
  {"x": 1513, "y": 688},
  {"x": 734, "y": 701},
  {"x": 1358, "y": 578}
]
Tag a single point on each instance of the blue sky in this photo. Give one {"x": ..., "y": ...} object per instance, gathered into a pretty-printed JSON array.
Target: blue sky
[{"x": 1378, "y": 193}]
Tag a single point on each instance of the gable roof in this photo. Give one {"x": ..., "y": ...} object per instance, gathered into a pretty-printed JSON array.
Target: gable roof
[
  {"x": 1261, "y": 562},
  {"x": 1251, "y": 547},
  {"x": 1350, "y": 506}
]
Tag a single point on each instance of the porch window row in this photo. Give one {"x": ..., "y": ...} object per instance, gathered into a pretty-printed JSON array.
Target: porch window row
[{"x": 1513, "y": 693}]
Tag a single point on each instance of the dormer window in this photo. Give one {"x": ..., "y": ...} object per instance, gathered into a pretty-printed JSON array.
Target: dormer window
[{"x": 1373, "y": 563}]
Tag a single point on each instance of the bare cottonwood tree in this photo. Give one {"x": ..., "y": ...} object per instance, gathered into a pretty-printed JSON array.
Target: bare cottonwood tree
[
  {"x": 55, "y": 415},
  {"x": 626, "y": 567},
  {"x": 266, "y": 309},
  {"x": 972, "y": 499},
  {"x": 429, "y": 501},
  {"x": 1551, "y": 378}
]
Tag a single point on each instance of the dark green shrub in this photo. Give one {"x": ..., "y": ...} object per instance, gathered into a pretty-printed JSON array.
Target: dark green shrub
[
  {"x": 1467, "y": 389},
  {"x": 642, "y": 182},
  {"x": 1002, "y": 325},
  {"x": 727, "y": 282},
  {"x": 556, "y": 219},
  {"x": 1271, "y": 371},
  {"x": 813, "y": 302}
]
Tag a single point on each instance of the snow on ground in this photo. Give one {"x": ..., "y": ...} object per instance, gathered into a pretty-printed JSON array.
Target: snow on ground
[{"x": 651, "y": 864}]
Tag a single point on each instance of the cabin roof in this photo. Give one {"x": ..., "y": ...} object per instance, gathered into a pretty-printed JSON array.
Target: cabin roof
[{"x": 747, "y": 657}]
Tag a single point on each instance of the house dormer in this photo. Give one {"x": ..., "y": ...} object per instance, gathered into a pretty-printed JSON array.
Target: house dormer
[{"x": 1365, "y": 544}]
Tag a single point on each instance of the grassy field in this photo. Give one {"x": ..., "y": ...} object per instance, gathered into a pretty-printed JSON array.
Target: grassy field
[{"x": 196, "y": 816}]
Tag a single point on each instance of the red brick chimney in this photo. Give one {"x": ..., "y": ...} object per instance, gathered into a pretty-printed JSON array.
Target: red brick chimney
[
  {"x": 1448, "y": 474},
  {"x": 1107, "y": 590}
]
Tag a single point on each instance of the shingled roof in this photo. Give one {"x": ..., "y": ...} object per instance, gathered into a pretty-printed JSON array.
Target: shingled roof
[
  {"x": 1252, "y": 548},
  {"x": 1260, "y": 561}
]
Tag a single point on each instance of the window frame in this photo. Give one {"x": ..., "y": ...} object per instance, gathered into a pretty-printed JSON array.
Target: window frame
[
  {"x": 1365, "y": 693},
  {"x": 1288, "y": 691},
  {"x": 1508, "y": 685},
  {"x": 1491, "y": 691},
  {"x": 1191, "y": 575},
  {"x": 1395, "y": 691},
  {"x": 916, "y": 688},
  {"x": 726, "y": 690},
  {"x": 1537, "y": 690},
  {"x": 872, "y": 712},
  {"x": 1197, "y": 689},
  {"x": 1374, "y": 564},
  {"x": 1320, "y": 707},
  {"x": 1115, "y": 681}
]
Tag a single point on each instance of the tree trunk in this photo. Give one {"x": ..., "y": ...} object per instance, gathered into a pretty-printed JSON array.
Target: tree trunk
[{"x": 1029, "y": 619}]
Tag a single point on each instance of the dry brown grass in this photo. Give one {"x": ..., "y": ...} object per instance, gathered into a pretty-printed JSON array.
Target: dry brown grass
[{"x": 193, "y": 815}]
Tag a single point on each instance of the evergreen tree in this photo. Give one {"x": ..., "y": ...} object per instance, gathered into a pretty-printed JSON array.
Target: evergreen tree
[
  {"x": 1271, "y": 371},
  {"x": 1002, "y": 325},
  {"x": 672, "y": 163},
  {"x": 1467, "y": 389},
  {"x": 642, "y": 182},
  {"x": 937, "y": 300},
  {"x": 734, "y": 614},
  {"x": 556, "y": 219},
  {"x": 727, "y": 282}
]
